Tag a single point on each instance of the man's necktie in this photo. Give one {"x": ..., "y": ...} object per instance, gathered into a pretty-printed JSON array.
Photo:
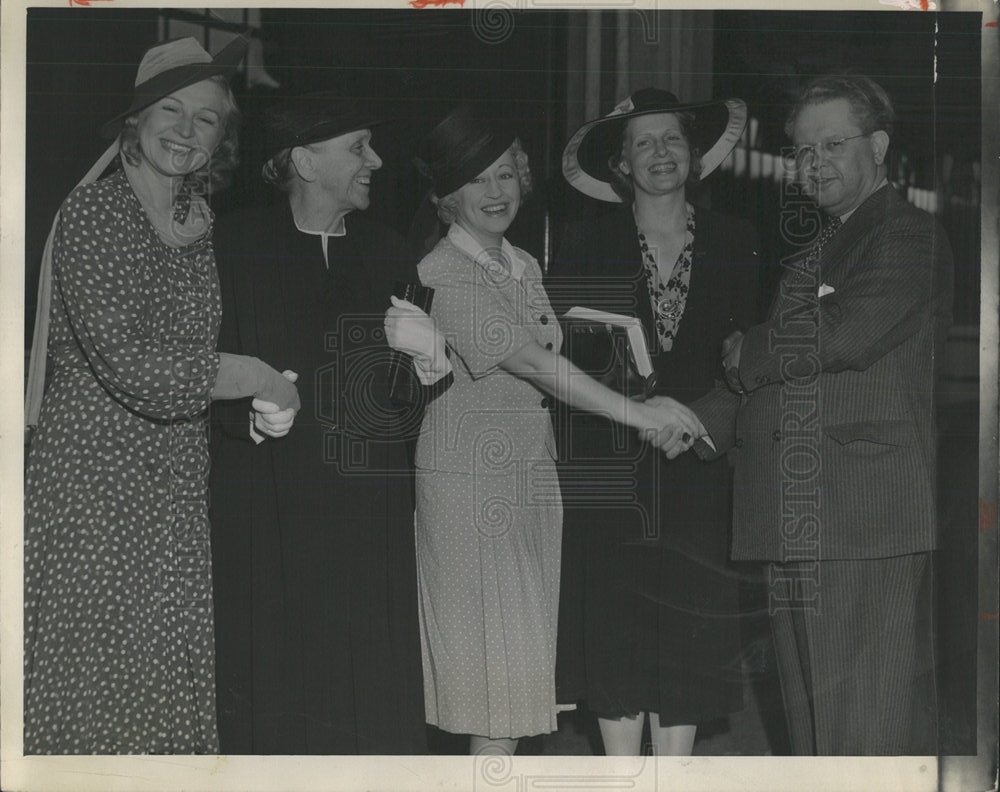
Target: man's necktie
[{"x": 825, "y": 235}]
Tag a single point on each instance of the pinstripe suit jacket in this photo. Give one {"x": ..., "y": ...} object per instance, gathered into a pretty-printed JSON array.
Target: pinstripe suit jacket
[{"x": 834, "y": 443}]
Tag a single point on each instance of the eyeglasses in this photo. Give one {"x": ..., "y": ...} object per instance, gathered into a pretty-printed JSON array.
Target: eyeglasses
[{"x": 831, "y": 149}]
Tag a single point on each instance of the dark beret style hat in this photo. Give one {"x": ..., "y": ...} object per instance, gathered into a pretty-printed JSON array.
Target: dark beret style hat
[
  {"x": 172, "y": 65},
  {"x": 718, "y": 126},
  {"x": 312, "y": 117},
  {"x": 462, "y": 146}
]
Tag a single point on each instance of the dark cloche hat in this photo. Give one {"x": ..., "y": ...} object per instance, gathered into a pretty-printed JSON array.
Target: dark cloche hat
[
  {"x": 461, "y": 147},
  {"x": 718, "y": 126},
  {"x": 172, "y": 65},
  {"x": 312, "y": 117}
]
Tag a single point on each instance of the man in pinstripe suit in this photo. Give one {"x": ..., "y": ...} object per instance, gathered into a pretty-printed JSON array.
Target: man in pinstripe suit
[{"x": 829, "y": 422}]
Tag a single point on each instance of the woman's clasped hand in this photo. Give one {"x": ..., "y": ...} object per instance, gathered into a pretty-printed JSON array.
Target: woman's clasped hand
[{"x": 678, "y": 429}]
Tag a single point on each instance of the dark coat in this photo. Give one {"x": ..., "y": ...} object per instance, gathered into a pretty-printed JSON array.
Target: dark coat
[
  {"x": 861, "y": 362},
  {"x": 315, "y": 578},
  {"x": 649, "y": 610},
  {"x": 599, "y": 265},
  {"x": 834, "y": 454}
]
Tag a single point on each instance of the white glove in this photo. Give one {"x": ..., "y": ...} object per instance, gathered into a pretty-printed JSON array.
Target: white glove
[{"x": 412, "y": 331}]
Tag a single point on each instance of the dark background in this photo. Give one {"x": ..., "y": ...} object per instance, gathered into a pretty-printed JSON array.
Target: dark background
[{"x": 415, "y": 64}]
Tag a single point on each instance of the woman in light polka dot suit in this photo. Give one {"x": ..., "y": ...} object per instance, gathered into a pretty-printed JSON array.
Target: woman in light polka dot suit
[
  {"x": 118, "y": 595},
  {"x": 489, "y": 514}
]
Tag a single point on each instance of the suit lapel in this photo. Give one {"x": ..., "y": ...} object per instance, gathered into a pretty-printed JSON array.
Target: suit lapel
[
  {"x": 835, "y": 252},
  {"x": 857, "y": 227},
  {"x": 702, "y": 276}
]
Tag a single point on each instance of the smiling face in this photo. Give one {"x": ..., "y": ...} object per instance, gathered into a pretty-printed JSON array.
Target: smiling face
[
  {"x": 656, "y": 154},
  {"x": 343, "y": 169},
  {"x": 488, "y": 204},
  {"x": 841, "y": 183},
  {"x": 178, "y": 134}
]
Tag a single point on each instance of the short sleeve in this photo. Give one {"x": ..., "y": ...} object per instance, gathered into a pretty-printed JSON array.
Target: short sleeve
[
  {"x": 105, "y": 302},
  {"x": 479, "y": 309}
]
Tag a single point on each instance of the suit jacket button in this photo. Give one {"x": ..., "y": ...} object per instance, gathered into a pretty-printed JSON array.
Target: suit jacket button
[
  {"x": 739, "y": 442},
  {"x": 545, "y": 402},
  {"x": 761, "y": 379},
  {"x": 776, "y": 436},
  {"x": 548, "y": 345},
  {"x": 543, "y": 319}
]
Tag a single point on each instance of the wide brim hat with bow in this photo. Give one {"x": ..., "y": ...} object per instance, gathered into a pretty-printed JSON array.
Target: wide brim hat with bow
[
  {"x": 172, "y": 65},
  {"x": 718, "y": 127},
  {"x": 466, "y": 142},
  {"x": 164, "y": 68}
]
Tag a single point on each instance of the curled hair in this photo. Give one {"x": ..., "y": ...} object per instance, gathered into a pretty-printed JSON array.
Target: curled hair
[
  {"x": 622, "y": 183},
  {"x": 447, "y": 206},
  {"x": 217, "y": 172},
  {"x": 869, "y": 102}
]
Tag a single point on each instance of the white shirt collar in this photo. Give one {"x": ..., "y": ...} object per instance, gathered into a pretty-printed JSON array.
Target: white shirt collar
[
  {"x": 468, "y": 244},
  {"x": 339, "y": 231},
  {"x": 881, "y": 184}
]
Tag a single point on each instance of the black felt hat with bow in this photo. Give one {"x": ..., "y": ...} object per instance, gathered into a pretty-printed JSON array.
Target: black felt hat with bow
[
  {"x": 462, "y": 146},
  {"x": 311, "y": 118}
]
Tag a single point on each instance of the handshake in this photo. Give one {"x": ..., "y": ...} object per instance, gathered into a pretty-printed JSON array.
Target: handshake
[
  {"x": 675, "y": 428},
  {"x": 269, "y": 418},
  {"x": 408, "y": 329},
  {"x": 668, "y": 425}
]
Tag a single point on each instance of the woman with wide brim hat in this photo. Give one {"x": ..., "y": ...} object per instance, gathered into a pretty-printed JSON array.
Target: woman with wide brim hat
[
  {"x": 488, "y": 518},
  {"x": 590, "y": 159},
  {"x": 649, "y": 615},
  {"x": 118, "y": 593}
]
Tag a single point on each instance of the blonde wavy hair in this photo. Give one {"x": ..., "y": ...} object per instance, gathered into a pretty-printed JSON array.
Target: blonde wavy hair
[{"x": 447, "y": 206}]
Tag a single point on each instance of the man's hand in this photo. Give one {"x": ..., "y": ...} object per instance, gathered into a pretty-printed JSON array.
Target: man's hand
[
  {"x": 268, "y": 419},
  {"x": 731, "y": 349}
]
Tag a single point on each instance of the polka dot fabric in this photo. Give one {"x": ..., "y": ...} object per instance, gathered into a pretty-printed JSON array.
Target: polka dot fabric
[
  {"x": 488, "y": 513},
  {"x": 119, "y": 650}
]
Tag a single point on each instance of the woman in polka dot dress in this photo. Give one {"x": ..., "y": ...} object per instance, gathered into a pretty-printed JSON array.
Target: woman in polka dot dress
[
  {"x": 489, "y": 513},
  {"x": 118, "y": 596}
]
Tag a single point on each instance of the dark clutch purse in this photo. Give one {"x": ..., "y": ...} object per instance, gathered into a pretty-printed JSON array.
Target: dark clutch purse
[
  {"x": 404, "y": 385},
  {"x": 610, "y": 352}
]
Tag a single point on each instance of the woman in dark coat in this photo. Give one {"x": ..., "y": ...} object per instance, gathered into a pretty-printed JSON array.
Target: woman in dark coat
[
  {"x": 649, "y": 613},
  {"x": 315, "y": 590}
]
